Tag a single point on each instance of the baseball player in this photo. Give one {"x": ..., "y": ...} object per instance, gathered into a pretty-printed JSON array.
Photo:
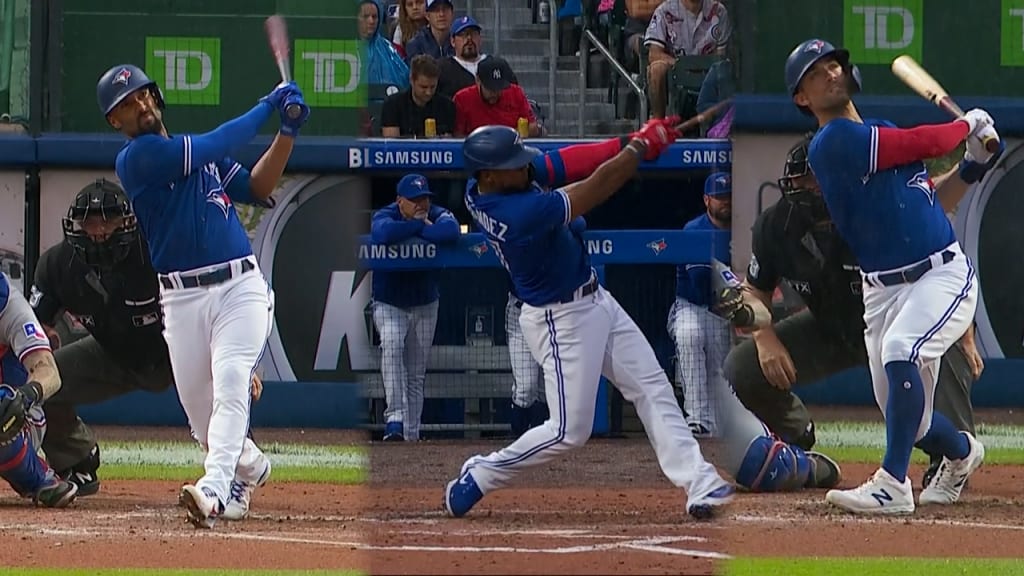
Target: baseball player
[
  {"x": 28, "y": 377},
  {"x": 575, "y": 329},
  {"x": 405, "y": 304},
  {"x": 920, "y": 290},
  {"x": 795, "y": 242},
  {"x": 102, "y": 276},
  {"x": 701, "y": 338},
  {"x": 217, "y": 304}
]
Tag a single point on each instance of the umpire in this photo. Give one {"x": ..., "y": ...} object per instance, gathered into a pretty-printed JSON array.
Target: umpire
[
  {"x": 101, "y": 275},
  {"x": 795, "y": 242}
]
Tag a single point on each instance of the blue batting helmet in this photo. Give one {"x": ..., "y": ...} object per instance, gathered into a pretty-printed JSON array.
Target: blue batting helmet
[
  {"x": 496, "y": 148},
  {"x": 810, "y": 51},
  {"x": 117, "y": 83}
]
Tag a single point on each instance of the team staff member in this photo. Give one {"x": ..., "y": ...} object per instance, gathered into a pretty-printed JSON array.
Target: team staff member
[
  {"x": 405, "y": 304},
  {"x": 405, "y": 113},
  {"x": 493, "y": 101},
  {"x": 794, "y": 241}
]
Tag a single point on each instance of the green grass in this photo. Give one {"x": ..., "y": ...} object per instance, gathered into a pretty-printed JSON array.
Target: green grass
[
  {"x": 872, "y": 567},
  {"x": 162, "y": 572},
  {"x": 865, "y": 442}
]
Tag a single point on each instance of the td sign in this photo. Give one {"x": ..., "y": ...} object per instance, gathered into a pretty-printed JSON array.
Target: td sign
[
  {"x": 877, "y": 31},
  {"x": 329, "y": 73},
  {"x": 187, "y": 69}
]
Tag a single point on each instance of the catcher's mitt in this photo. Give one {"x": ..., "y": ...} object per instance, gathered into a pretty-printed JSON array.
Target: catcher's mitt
[
  {"x": 12, "y": 413},
  {"x": 727, "y": 299}
]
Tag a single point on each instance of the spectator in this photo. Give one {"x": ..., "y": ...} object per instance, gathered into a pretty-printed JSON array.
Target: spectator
[
  {"x": 459, "y": 70},
  {"x": 433, "y": 39},
  {"x": 719, "y": 85},
  {"x": 412, "y": 17},
  {"x": 405, "y": 304},
  {"x": 494, "y": 99},
  {"x": 404, "y": 113},
  {"x": 383, "y": 64},
  {"x": 638, "y": 18},
  {"x": 682, "y": 28}
]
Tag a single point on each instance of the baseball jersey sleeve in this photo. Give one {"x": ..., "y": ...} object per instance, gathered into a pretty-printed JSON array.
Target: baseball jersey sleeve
[
  {"x": 235, "y": 181},
  {"x": 19, "y": 328},
  {"x": 543, "y": 211},
  {"x": 762, "y": 272},
  {"x": 445, "y": 228},
  {"x": 43, "y": 299},
  {"x": 389, "y": 227},
  {"x": 657, "y": 30},
  {"x": 843, "y": 150}
]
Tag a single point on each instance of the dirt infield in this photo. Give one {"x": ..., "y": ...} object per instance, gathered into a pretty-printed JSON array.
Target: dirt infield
[{"x": 604, "y": 509}]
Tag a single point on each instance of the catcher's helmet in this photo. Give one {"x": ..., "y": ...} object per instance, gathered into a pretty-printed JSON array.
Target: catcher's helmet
[
  {"x": 797, "y": 165},
  {"x": 120, "y": 81},
  {"x": 807, "y": 53},
  {"x": 107, "y": 200},
  {"x": 496, "y": 148}
]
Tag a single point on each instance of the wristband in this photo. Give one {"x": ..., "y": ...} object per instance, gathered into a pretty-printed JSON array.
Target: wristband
[{"x": 33, "y": 391}]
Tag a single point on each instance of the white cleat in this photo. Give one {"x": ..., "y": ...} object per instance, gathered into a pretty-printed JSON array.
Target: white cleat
[
  {"x": 237, "y": 507},
  {"x": 881, "y": 494},
  {"x": 951, "y": 476},
  {"x": 202, "y": 506}
]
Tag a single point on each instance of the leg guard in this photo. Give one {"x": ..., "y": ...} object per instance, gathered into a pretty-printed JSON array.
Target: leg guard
[
  {"x": 22, "y": 467},
  {"x": 771, "y": 465}
]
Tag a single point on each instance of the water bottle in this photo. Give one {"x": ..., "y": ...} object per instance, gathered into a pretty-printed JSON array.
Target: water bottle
[{"x": 544, "y": 12}]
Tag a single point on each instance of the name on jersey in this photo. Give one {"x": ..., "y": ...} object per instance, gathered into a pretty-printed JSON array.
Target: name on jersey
[
  {"x": 494, "y": 228},
  {"x": 707, "y": 157},
  {"x": 397, "y": 251},
  {"x": 366, "y": 158}
]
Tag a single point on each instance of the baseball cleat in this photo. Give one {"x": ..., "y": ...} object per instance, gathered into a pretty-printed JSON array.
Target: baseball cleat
[
  {"x": 881, "y": 494},
  {"x": 84, "y": 475},
  {"x": 825, "y": 472},
  {"x": 394, "y": 432},
  {"x": 706, "y": 507},
  {"x": 57, "y": 493},
  {"x": 203, "y": 507},
  {"x": 949, "y": 480},
  {"x": 461, "y": 494},
  {"x": 237, "y": 507}
]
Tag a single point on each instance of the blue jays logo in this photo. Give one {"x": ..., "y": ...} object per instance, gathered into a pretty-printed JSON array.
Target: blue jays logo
[
  {"x": 479, "y": 249},
  {"x": 218, "y": 198},
  {"x": 814, "y": 46},
  {"x": 922, "y": 182},
  {"x": 122, "y": 76},
  {"x": 658, "y": 246}
]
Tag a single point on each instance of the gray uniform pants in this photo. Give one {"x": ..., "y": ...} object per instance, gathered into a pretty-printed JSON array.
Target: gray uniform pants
[
  {"x": 89, "y": 375},
  {"x": 817, "y": 355}
]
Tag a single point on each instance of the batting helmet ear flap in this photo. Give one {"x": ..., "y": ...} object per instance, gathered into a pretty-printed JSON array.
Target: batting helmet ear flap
[{"x": 855, "y": 78}]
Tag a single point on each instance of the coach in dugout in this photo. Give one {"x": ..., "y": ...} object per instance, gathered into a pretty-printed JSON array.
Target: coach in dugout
[{"x": 794, "y": 241}]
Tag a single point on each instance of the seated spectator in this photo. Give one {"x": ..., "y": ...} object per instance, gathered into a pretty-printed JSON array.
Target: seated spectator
[
  {"x": 433, "y": 39},
  {"x": 412, "y": 17},
  {"x": 405, "y": 113},
  {"x": 383, "y": 64},
  {"x": 494, "y": 99},
  {"x": 638, "y": 18},
  {"x": 682, "y": 28},
  {"x": 459, "y": 70},
  {"x": 719, "y": 85}
]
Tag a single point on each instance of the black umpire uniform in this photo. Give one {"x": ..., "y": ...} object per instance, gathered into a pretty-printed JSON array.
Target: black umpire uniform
[
  {"x": 795, "y": 242},
  {"x": 110, "y": 287}
]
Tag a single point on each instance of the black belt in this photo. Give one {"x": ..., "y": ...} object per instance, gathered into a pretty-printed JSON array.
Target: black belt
[
  {"x": 914, "y": 273},
  {"x": 207, "y": 278},
  {"x": 588, "y": 289}
]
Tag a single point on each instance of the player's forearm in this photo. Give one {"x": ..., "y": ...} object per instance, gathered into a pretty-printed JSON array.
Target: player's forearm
[
  {"x": 899, "y": 146},
  {"x": 574, "y": 163},
  {"x": 268, "y": 169},
  {"x": 229, "y": 136},
  {"x": 445, "y": 231},
  {"x": 950, "y": 189},
  {"x": 42, "y": 368},
  {"x": 586, "y": 195}
]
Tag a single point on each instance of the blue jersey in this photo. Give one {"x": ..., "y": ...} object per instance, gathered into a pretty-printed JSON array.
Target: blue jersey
[
  {"x": 183, "y": 190},
  {"x": 530, "y": 234},
  {"x": 888, "y": 218},
  {"x": 693, "y": 281},
  {"x": 404, "y": 288}
]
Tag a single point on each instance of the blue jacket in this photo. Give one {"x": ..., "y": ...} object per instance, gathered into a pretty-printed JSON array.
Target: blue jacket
[
  {"x": 402, "y": 288},
  {"x": 425, "y": 43}
]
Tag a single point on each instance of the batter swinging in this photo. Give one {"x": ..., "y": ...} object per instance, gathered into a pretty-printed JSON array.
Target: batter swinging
[
  {"x": 575, "y": 329},
  {"x": 217, "y": 305},
  {"x": 920, "y": 290}
]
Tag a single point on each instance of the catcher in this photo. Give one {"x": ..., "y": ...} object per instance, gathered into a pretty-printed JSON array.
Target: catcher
[
  {"x": 29, "y": 376},
  {"x": 795, "y": 242}
]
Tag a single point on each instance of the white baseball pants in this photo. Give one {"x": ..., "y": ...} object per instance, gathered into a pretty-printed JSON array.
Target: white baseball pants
[
  {"x": 405, "y": 338},
  {"x": 216, "y": 336},
  {"x": 576, "y": 343},
  {"x": 527, "y": 374},
  {"x": 702, "y": 343}
]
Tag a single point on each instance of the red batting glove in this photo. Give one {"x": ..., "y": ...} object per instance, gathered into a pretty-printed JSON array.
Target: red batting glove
[{"x": 657, "y": 135}]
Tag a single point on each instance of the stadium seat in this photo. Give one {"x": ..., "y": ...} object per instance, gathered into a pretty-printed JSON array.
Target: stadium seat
[{"x": 685, "y": 81}]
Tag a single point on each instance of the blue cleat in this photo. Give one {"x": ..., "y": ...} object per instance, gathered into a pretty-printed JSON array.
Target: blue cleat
[
  {"x": 394, "y": 432},
  {"x": 706, "y": 506},
  {"x": 461, "y": 495}
]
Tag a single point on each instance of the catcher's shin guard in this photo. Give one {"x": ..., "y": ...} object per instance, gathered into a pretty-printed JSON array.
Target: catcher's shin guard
[
  {"x": 771, "y": 465},
  {"x": 22, "y": 467}
]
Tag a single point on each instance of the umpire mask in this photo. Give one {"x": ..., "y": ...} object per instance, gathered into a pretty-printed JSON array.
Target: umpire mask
[
  {"x": 100, "y": 225},
  {"x": 798, "y": 184}
]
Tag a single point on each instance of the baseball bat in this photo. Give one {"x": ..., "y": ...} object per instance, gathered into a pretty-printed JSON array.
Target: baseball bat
[
  {"x": 277, "y": 37},
  {"x": 919, "y": 80},
  {"x": 703, "y": 116}
]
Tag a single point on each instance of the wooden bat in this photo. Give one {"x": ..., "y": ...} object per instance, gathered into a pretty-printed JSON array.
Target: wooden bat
[
  {"x": 277, "y": 37},
  {"x": 919, "y": 80},
  {"x": 703, "y": 116}
]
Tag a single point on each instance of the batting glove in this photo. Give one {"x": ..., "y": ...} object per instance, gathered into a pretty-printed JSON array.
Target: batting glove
[
  {"x": 977, "y": 160},
  {"x": 657, "y": 135},
  {"x": 290, "y": 125},
  {"x": 280, "y": 92},
  {"x": 976, "y": 120}
]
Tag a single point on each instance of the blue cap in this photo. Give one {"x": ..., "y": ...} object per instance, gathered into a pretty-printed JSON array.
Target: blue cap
[
  {"x": 413, "y": 186},
  {"x": 718, "y": 184},
  {"x": 463, "y": 23},
  {"x": 432, "y": 3}
]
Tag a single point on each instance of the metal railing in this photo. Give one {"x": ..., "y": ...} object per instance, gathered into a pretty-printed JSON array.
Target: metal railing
[
  {"x": 589, "y": 38},
  {"x": 552, "y": 116}
]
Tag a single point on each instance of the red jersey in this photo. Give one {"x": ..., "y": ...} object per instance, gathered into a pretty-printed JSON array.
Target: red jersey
[{"x": 471, "y": 112}]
